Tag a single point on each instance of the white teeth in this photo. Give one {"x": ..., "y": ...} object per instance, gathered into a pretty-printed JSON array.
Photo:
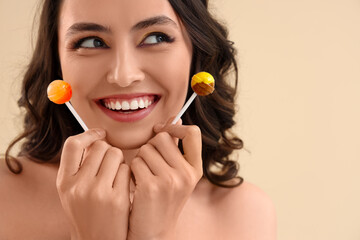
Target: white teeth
[
  {"x": 113, "y": 106},
  {"x": 125, "y": 105},
  {"x": 141, "y": 104},
  {"x": 134, "y": 105},
  {"x": 118, "y": 105}
]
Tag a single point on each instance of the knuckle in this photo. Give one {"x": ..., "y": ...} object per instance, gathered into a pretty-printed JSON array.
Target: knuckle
[
  {"x": 199, "y": 174},
  {"x": 170, "y": 182},
  {"x": 116, "y": 153},
  {"x": 125, "y": 168},
  {"x": 100, "y": 144},
  {"x": 143, "y": 149},
  {"x": 135, "y": 163},
  {"x": 190, "y": 179},
  {"x": 193, "y": 180},
  {"x": 72, "y": 143},
  {"x": 162, "y": 136},
  {"x": 193, "y": 130},
  {"x": 61, "y": 186},
  {"x": 98, "y": 194},
  {"x": 152, "y": 189},
  {"x": 78, "y": 192},
  {"x": 93, "y": 133},
  {"x": 181, "y": 184}
]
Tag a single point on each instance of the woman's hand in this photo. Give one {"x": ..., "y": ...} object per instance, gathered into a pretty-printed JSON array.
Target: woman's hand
[
  {"x": 95, "y": 195},
  {"x": 164, "y": 181}
]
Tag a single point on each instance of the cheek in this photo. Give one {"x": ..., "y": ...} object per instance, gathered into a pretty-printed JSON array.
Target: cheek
[
  {"x": 174, "y": 79},
  {"x": 172, "y": 72},
  {"x": 82, "y": 73}
]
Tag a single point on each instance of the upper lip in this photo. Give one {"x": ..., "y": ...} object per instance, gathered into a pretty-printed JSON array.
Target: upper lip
[{"x": 127, "y": 96}]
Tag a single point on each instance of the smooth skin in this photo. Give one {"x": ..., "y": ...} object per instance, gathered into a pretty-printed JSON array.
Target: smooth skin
[
  {"x": 122, "y": 48},
  {"x": 95, "y": 196},
  {"x": 31, "y": 209},
  {"x": 127, "y": 180},
  {"x": 165, "y": 180}
]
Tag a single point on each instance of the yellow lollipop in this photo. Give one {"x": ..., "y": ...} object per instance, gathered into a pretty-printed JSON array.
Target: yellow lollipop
[{"x": 202, "y": 84}]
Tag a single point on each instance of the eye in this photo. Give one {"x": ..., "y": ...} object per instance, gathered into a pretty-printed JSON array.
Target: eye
[
  {"x": 156, "y": 38},
  {"x": 90, "y": 42}
]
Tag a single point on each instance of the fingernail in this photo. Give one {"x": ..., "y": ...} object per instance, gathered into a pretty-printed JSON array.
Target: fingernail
[
  {"x": 179, "y": 122},
  {"x": 158, "y": 126},
  {"x": 100, "y": 132}
]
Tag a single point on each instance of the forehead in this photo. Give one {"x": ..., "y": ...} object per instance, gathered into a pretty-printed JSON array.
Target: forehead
[{"x": 113, "y": 12}]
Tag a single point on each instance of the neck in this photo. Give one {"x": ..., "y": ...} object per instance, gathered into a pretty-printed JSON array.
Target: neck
[{"x": 129, "y": 155}]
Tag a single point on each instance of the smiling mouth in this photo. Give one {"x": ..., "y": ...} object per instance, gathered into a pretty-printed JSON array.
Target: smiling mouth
[{"x": 129, "y": 105}]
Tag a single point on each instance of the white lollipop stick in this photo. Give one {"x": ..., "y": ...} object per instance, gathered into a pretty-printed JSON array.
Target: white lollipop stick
[
  {"x": 182, "y": 111},
  {"x": 76, "y": 115}
]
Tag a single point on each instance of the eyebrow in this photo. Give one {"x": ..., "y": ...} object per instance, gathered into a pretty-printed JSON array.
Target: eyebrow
[
  {"x": 157, "y": 20},
  {"x": 84, "y": 26},
  {"x": 94, "y": 27}
]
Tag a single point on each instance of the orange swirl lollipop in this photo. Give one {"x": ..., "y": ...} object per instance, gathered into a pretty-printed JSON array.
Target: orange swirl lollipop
[
  {"x": 202, "y": 84},
  {"x": 60, "y": 92}
]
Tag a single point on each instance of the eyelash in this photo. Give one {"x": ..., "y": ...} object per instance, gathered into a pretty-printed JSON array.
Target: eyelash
[
  {"x": 77, "y": 44},
  {"x": 166, "y": 39}
]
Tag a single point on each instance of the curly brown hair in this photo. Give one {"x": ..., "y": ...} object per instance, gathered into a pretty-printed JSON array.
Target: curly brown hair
[{"x": 47, "y": 126}]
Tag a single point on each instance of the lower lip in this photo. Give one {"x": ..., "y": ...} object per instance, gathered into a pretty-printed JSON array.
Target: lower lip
[{"x": 129, "y": 116}]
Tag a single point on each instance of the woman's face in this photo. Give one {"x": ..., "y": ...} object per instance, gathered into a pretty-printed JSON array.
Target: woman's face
[{"x": 128, "y": 63}]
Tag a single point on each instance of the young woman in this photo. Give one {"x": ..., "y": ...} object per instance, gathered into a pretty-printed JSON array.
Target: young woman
[{"x": 133, "y": 175}]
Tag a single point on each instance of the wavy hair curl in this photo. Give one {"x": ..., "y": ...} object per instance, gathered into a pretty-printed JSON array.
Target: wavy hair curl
[{"x": 47, "y": 126}]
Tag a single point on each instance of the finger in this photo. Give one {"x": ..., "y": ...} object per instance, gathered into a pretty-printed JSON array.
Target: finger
[
  {"x": 154, "y": 160},
  {"x": 73, "y": 150},
  {"x": 110, "y": 166},
  {"x": 158, "y": 127},
  {"x": 179, "y": 123},
  {"x": 169, "y": 121},
  {"x": 92, "y": 162},
  {"x": 121, "y": 183},
  {"x": 140, "y": 170},
  {"x": 169, "y": 151},
  {"x": 191, "y": 141}
]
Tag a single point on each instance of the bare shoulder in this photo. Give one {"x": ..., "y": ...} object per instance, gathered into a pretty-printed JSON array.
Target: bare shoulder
[
  {"x": 11, "y": 185},
  {"x": 31, "y": 178},
  {"x": 248, "y": 211},
  {"x": 252, "y": 197},
  {"x": 30, "y": 185},
  {"x": 26, "y": 199}
]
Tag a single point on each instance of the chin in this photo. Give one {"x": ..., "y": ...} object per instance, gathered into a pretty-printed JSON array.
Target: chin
[{"x": 129, "y": 141}]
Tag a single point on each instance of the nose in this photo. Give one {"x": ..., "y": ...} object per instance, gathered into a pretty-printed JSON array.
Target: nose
[{"x": 125, "y": 69}]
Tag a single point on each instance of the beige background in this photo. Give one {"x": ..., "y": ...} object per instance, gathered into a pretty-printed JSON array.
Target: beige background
[{"x": 299, "y": 104}]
